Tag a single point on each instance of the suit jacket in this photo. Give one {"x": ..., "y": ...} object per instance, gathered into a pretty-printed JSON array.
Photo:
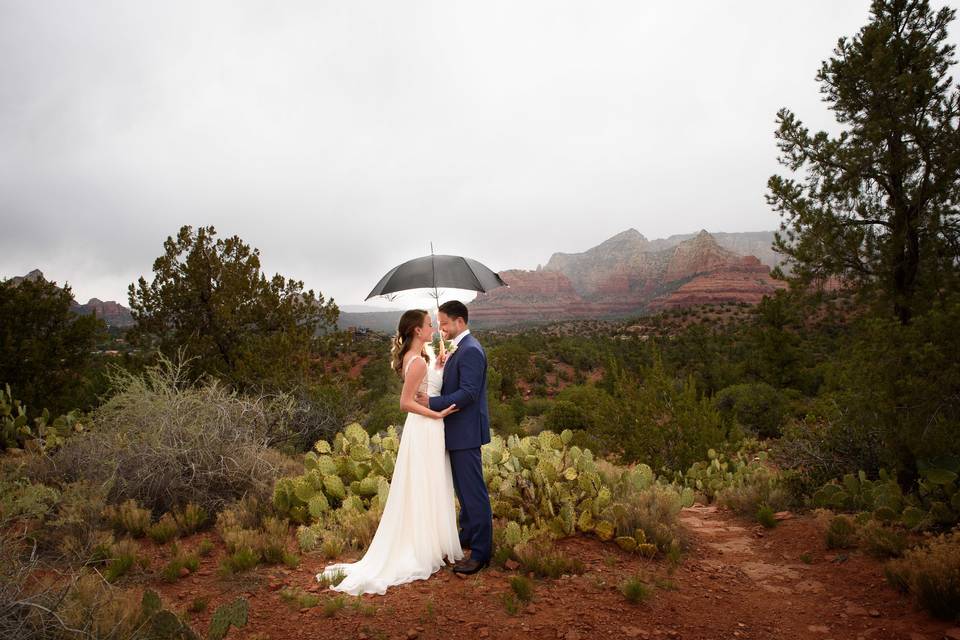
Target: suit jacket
[{"x": 465, "y": 383}]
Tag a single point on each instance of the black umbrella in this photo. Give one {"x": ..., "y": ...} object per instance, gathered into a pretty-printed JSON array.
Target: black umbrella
[{"x": 433, "y": 271}]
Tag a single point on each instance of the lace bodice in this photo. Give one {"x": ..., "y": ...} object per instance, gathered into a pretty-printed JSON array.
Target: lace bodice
[{"x": 433, "y": 381}]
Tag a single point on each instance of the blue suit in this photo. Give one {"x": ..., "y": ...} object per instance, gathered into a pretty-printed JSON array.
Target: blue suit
[{"x": 465, "y": 384}]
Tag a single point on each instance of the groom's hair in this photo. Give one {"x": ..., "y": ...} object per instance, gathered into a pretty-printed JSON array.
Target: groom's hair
[{"x": 455, "y": 309}]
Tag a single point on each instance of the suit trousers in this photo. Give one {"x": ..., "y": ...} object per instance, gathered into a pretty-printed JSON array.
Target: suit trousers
[{"x": 476, "y": 518}]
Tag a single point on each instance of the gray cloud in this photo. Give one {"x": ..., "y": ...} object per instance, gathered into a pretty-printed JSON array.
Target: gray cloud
[{"x": 341, "y": 137}]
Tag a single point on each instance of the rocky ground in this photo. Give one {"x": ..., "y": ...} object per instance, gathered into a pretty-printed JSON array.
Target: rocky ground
[{"x": 735, "y": 581}]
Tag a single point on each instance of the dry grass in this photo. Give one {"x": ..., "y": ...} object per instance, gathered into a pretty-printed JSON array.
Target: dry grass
[
  {"x": 931, "y": 573},
  {"x": 165, "y": 442}
]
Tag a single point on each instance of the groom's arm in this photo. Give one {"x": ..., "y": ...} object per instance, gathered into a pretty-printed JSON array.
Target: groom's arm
[{"x": 470, "y": 364}]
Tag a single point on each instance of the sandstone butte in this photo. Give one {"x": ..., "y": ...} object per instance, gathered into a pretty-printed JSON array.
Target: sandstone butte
[{"x": 628, "y": 274}]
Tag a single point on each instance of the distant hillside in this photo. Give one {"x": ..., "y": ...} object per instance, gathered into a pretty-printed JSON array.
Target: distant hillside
[
  {"x": 629, "y": 275},
  {"x": 113, "y": 313},
  {"x": 623, "y": 276}
]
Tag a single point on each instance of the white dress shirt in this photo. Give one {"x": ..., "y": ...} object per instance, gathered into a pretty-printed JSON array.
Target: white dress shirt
[{"x": 456, "y": 341}]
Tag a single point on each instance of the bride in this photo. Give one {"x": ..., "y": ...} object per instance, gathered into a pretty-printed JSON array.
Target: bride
[{"x": 418, "y": 526}]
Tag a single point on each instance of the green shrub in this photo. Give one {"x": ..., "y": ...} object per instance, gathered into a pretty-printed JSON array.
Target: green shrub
[
  {"x": 538, "y": 406},
  {"x": 635, "y": 589},
  {"x": 502, "y": 419},
  {"x": 128, "y": 517},
  {"x": 332, "y": 546},
  {"x": 331, "y": 579},
  {"x": 299, "y": 599},
  {"x": 510, "y": 603},
  {"x": 546, "y": 561},
  {"x": 766, "y": 517},
  {"x": 522, "y": 586},
  {"x": 190, "y": 519},
  {"x": 757, "y": 406},
  {"x": 334, "y": 605},
  {"x": 564, "y": 414},
  {"x": 239, "y": 561},
  {"x": 882, "y": 541},
  {"x": 386, "y": 412},
  {"x": 123, "y": 556},
  {"x": 841, "y": 532},
  {"x": 164, "y": 530},
  {"x": 164, "y": 443},
  {"x": 931, "y": 573},
  {"x": 199, "y": 604},
  {"x": 180, "y": 564},
  {"x": 664, "y": 422}
]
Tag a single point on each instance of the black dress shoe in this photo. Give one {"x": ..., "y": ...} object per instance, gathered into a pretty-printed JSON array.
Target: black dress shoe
[{"x": 470, "y": 565}]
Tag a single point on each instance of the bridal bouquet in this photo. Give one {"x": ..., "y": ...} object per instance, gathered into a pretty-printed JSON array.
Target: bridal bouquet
[{"x": 441, "y": 346}]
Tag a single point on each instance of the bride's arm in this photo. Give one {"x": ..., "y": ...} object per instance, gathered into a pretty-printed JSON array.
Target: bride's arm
[{"x": 415, "y": 374}]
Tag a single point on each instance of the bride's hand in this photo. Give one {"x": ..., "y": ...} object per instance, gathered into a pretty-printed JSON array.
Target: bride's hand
[{"x": 451, "y": 409}]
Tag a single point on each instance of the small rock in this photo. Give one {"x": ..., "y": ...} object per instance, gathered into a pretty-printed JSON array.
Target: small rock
[
  {"x": 511, "y": 564},
  {"x": 874, "y": 613},
  {"x": 818, "y": 628},
  {"x": 484, "y": 632},
  {"x": 855, "y": 610},
  {"x": 412, "y": 634},
  {"x": 184, "y": 572},
  {"x": 782, "y": 515}
]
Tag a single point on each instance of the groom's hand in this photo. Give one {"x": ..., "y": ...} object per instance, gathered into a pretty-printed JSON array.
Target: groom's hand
[{"x": 421, "y": 398}]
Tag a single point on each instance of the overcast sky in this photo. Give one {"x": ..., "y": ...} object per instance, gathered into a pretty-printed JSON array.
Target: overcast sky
[{"x": 339, "y": 138}]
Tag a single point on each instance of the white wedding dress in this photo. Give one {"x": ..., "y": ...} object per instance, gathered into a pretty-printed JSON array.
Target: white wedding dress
[{"x": 418, "y": 527}]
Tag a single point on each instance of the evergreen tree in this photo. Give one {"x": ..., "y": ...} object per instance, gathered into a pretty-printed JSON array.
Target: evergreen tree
[
  {"x": 877, "y": 204},
  {"x": 209, "y": 298},
  {"x": 45, "y": 348}
]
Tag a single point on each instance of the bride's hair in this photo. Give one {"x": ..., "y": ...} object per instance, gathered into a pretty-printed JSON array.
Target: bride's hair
[{"x": 410, "y": 320}]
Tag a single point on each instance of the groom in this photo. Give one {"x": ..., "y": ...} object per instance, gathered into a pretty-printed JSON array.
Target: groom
[{"x": 465, "y": 383}]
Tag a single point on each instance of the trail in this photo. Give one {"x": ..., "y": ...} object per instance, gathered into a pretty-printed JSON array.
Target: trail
[{"x": 736, "y": 581}]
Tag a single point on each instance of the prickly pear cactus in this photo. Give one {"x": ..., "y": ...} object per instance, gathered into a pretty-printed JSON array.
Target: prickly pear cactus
[
  {"x": 536, "y": 483},
  {"x": 233, "y": 614}
]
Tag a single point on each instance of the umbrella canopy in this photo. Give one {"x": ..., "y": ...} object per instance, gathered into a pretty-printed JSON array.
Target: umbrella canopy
[{"x": 433, "y": 271}]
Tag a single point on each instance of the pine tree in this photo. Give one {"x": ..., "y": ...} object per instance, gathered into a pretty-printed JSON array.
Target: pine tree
[
  {"x": 45, "y": 348},
  {"x": 209, "y": 299},
  {"x": 876, "y": 205}
]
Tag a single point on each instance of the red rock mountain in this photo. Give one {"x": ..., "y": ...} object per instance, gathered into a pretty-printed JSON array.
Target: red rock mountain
[
  {"x": 113, "y": 313},
  {"x": 625, "y": 275}
]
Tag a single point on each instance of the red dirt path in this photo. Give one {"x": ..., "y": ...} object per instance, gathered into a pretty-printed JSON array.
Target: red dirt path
[{"x": 736, "y": 581}]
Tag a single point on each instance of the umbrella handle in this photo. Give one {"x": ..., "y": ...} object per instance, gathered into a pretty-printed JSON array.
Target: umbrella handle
[{"x": 443, "y": 349}]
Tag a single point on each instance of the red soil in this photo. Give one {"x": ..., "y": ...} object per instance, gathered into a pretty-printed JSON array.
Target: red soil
[{"x": 735, "y": 581}]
